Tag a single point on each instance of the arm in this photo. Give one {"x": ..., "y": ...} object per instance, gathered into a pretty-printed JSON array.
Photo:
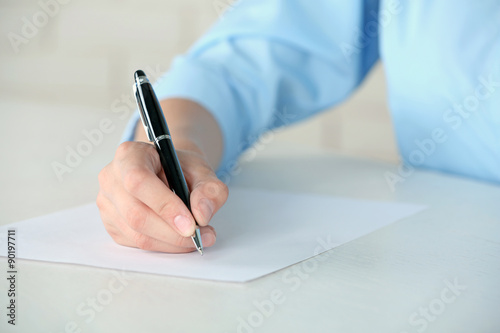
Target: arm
[
  {"x": 270, "y": 63},
  {"x": 267, "y": 64}
]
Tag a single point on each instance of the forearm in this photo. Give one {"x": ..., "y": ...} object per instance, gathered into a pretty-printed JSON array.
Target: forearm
[{"x": 192, "y": 128}]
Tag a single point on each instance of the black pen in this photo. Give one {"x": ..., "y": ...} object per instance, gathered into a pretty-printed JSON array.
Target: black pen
[{"x": 157, "y": 132}]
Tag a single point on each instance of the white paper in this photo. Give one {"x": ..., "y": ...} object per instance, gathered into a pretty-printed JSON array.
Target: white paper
[{"x": 258, "y": 232}]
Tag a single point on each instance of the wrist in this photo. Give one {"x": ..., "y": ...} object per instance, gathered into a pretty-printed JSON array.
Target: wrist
[
  {"x": 187, "y": 143},
  {"x": 180, "y": 140},
  {"x": 192, "y": 129}
]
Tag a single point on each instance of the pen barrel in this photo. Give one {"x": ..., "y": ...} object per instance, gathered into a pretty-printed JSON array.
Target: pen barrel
[
  {"x": 172, "y": 169},
  {"x": 156, "y": 120}
]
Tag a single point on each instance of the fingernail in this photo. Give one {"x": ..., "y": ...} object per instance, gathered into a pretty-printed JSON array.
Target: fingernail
[
  {"x": 207, "y": 209},
  {"x": 185, "y": 226},
  {"x": 208, "y": 239}
]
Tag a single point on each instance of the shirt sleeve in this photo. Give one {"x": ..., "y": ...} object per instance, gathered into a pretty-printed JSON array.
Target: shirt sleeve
[{"x": 268, "y": 63}]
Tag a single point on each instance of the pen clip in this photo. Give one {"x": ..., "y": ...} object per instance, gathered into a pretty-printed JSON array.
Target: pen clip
[{"x": 142, "y": 113}]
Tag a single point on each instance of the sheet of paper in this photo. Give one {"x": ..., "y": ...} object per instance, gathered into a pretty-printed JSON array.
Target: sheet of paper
[{"x": 258, "y": 232}]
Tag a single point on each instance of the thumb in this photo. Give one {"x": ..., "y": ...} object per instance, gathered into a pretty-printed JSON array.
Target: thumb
[{"x": 208, "y": 193}]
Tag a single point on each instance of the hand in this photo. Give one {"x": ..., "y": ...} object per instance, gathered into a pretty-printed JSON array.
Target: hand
[{"x": 138, "y": 208}]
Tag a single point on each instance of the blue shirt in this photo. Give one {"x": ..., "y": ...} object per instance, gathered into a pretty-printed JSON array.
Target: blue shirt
[{"x": 268, "y": 63}]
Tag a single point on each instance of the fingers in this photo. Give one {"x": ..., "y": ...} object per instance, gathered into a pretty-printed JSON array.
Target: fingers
[
  {"x": 138, "y": 209},
  {"x": 109, "y": 217},
  {"x": 143, "y": 220},
  {"x": 145, "y": 242},
  {"x": 124, "y": 231},
  {"x": 208, "y": 193},
  {"x": 139, "y": 179}
]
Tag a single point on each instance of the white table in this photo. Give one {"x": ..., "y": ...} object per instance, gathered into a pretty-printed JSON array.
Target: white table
[{"x": 384, "y": 282}]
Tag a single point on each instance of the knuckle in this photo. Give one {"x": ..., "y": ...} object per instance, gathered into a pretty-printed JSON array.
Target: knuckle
[
  {"x": 121, "y": 241},
  {"x": 115, "y": 235},
  {"x": 114, "y": 232},
  {"x": 149, "y": 148},
  {"x": 136, "y": 217},
  {"x": 165, "y": 209},
  {"x": 223, "y": 189},
  {"x": 216, "y": 190},
  {"x": 143, "y": 242},
  {"x": 124, "y": 148},
  {"x": 103, "y": 177},
  {"x": 133, "y": 179},
  {"x": 100, "y": 202}
]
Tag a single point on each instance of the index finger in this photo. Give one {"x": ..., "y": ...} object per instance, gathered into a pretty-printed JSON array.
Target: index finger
[{"x": 138, "y": 171}]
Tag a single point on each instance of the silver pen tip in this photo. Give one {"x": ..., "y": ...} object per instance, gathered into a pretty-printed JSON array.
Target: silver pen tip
[{"x": 197, "y": 240}]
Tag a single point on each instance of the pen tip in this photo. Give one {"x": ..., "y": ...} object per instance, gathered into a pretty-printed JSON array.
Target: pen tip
[{"x": 197, "y": 240}]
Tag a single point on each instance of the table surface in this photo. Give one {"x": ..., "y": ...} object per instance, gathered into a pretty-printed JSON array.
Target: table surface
[{"x": 436, "y": 271}]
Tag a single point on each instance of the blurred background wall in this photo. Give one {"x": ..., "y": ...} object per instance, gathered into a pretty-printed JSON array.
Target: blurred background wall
[{"x": 66, "y": 69}]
